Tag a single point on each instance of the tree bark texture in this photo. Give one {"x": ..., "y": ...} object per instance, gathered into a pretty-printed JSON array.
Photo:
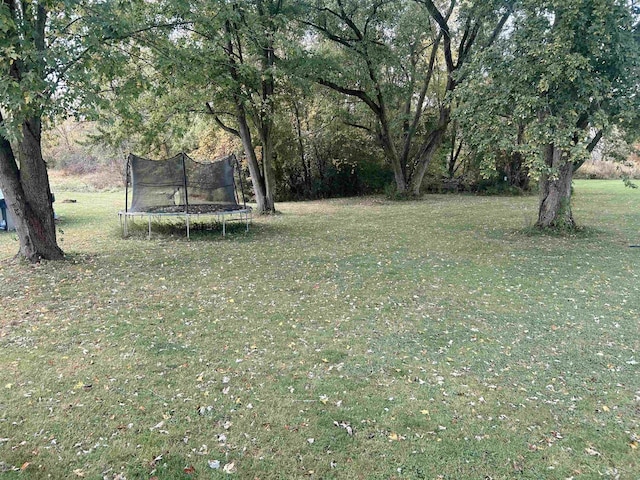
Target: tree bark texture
[
  {"x": 28, "y": 195},
  {"x": 265, "y": 120},
  {"x": 257, "y": 180},
  {"x": 429, "y": 149},
  {"x": 267, "y": 165},
  {"x": 555, "y": 191},
  {"x": 23, "y": 173}
]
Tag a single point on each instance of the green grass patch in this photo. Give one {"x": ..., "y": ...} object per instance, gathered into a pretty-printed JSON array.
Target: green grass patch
[{"x": 352, "y": 338}]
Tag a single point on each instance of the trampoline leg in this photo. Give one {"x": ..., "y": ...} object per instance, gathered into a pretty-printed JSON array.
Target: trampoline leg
[
  {"x": 149, "y": 236},
  {"x": 246, "y": 217},
  {"x": 224, "y": 226},
  {"x": 188, "y": 237}
]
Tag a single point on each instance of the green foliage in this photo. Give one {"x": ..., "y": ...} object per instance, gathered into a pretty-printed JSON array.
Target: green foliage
[
  {"x": 496, "y": 186},
  {"x": 629, "y": 183},
  {"x": 391, "y": 193},
  {"x": 59, "y": 49},
  {"x": 376, "y": 55},
  {"x": 326, "y": 157},
  {"x": 564, "y": 70}
]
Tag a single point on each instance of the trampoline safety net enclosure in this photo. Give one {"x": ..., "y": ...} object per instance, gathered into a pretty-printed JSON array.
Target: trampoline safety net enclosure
[{"x": 182, "y": 187}]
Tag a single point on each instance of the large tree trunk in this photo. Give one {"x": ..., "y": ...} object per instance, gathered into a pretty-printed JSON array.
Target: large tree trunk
[
  {"x": 28, "y": 195},
  {"x": 399, "y": 170},
  {"x": 429, "y": 149},
  {"x": 26, "y": 187},
  {"x": 269, "y": 174},
  {"x": 257, "y": 179},
  {"x": 265, "y": 120},
  {"x": 301, "y": 149},
  {"x": 555, "y": 191}
]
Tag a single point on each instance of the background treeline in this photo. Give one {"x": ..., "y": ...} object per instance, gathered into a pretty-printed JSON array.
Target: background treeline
[
  {"x": 350, "y": 166},
  {"x": 350, "y": 88}
]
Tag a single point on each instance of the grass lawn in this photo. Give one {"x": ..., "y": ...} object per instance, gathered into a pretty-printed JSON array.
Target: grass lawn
[{"x": 343, "y": 339}]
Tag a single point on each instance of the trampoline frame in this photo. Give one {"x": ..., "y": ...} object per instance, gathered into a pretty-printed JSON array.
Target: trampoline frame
[{"x": 242, "y": 213}]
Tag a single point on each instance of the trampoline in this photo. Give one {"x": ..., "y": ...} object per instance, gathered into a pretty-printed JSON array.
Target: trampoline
[{"x": 182, "y": 188}]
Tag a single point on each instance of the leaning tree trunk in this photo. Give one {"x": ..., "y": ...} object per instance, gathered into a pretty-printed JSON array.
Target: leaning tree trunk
[
  {"x": 265, "y": 116},
  {"x": 429, "y": 149},
  {"x": 28, "y": 195},
  {"x": 269, "y": 174},
  {"x": 515, "y": 169},
  {"x": 555, "y": 191},
  {"x": 257, "y": 180}
]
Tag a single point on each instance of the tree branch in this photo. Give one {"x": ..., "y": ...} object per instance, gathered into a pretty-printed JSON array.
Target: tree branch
[
  {"x": 590, "y": 147},
  {"x": 357, "y": 125},
  {"x": 498, "y": 29},
  {"x": 331, "y": 36},
  {"x": 443, "y": 24},
  {"x": 344, "y": 17},
  {"x": 362, "y": 95},
  {"x": 594, "y": 141},
  {"x": 220, "y": 123},
  {"x": 437, "y": 16}
]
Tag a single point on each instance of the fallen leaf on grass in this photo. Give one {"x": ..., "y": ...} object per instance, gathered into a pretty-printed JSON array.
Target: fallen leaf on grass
[
  {"x": 229, "y": 468},
  {"x": 79, "y": 473},
  {"x": 190, "y": 470},
  {"x": 592, "y": 451},
  {"x": 25, "y": 465},
  {"x": 344, "y": 425},
  {"x": 155, "y": 461},
  {"x": 159, "y": 425}
]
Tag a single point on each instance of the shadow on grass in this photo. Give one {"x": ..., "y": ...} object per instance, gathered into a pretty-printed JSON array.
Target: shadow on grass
[
  {"x": 577, "y": 232},
  {"x": 207, "y": 231}
]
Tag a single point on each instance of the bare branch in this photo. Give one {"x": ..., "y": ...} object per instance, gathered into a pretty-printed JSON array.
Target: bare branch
[
  {"x": 220, "y": 123},
  {"x": 498, "y": 28},
  {"x": 594, "y": 141},
  {"x": 362, "y": 95},
  {"x": 357, "y": 125}
]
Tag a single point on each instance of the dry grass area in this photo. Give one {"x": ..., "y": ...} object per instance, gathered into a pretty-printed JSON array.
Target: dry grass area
[
  {"x": 607, "y": 170},
  {"x": 342, "y": 339},
  {"x": 99, "y": 180}
]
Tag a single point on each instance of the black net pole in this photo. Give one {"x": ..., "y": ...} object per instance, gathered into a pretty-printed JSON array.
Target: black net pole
[
  {"x": 127, "y": 179},
  {"x": 184, "y": 178},
  {"x": 244, "y": 202}
]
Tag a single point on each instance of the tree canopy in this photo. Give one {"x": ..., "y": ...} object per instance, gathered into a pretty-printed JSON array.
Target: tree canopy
[{"x": 562, "y": 77}]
